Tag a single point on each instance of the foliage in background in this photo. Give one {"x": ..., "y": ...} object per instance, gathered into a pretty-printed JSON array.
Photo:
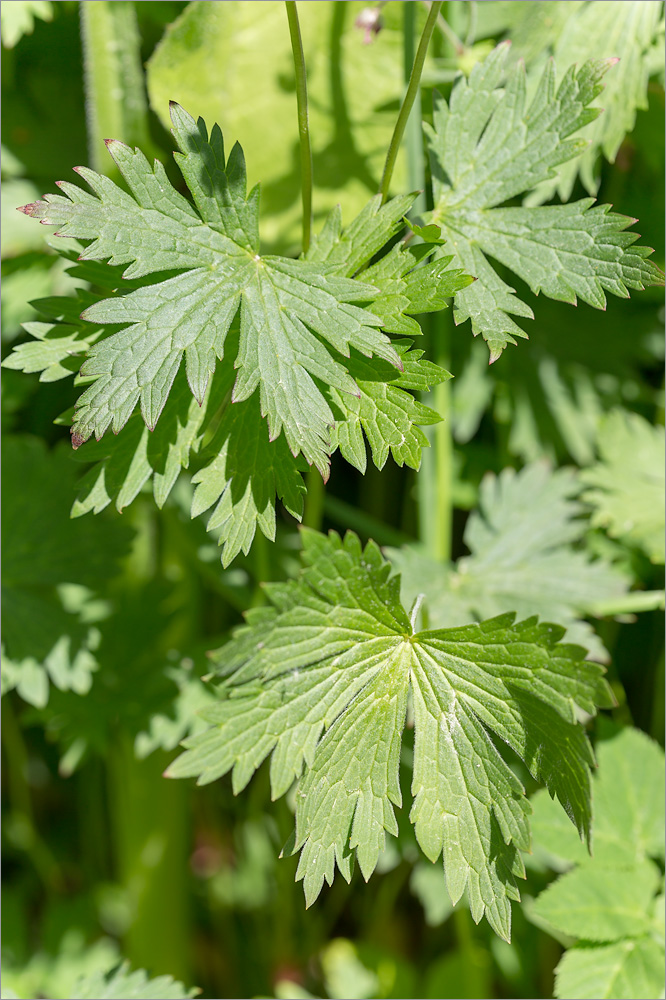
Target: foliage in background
[{"x": 105, "y": 668}]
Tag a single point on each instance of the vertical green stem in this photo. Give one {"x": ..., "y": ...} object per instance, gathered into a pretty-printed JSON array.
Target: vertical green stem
[
  {"x": 303, "y": 127},
  {"x": 116, "y": 106},
  {"x": 409, "y": 98},
  {"x": 151, "y": 829},
  {"x": 314, "y": 507},
  {"x": 313, "y": 515},
  {"x": 414, "y": 128},
  {"x": 434, "y": 478}
]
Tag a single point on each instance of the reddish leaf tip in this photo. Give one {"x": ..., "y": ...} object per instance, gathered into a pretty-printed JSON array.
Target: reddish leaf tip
[{"x": 77, "y": 439}]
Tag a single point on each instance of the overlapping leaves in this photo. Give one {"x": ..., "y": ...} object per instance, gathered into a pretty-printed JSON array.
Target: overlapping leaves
[
  {"x": 525, "y": 556},
  {"x": 613, "y": 901},
  {"x": 319, "y": 680},
  {"x": 299, "y": 355},
  {"x": 488, "y": 146}
]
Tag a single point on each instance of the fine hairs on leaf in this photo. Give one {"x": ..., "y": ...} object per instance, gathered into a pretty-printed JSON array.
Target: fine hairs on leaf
[{"x": 319, "y": 681}]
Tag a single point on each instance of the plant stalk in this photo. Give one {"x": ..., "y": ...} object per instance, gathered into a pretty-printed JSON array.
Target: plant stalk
[
  {"x": 409, "y": 98},
  {"x": 116, "y": 105},
  {"x": 303, "y": 126}
]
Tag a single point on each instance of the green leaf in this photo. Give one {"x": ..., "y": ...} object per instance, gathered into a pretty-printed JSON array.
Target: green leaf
[
  {"x": 387, "y": 414},
  {"x": 238, "y": 57},
  {"x": 629, "y": 34},
  {"x": 601, "y": 904},
  {"x": 18, "y": 19},
  {"x": 524, "y": 558},
  {"x": 190, "y": 314},
  {"x": 125, "y": 985},
  {"x": 611, "y": 896},
  {"x": 628, "y": 806},
  {"x": 488, "y": 147},
  {"x": 297, "y": 321},
  {"x": 627, "y": 485},
  {"x": 626, "y": 970},
  {"x": 47, "y": 634},
  {"x": 320, "y": 679}
]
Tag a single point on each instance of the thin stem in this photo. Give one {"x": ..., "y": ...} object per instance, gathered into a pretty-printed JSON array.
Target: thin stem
[
  {"x": 408, "y": 101},
  {"x": 303, "y": 127},
  {"x": 313, "y": 515},
  {"x": 435, "y": 477},
  {"x": 471, "y": 26},
  {"x": 447, "y": 30},
  {"x": 414, "y": 130}
]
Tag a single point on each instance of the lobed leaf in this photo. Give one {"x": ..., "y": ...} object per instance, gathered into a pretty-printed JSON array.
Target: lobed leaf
[
  {"x": 488, "y": 146},
  {"x": 524, "y": 557},
  {"x": 319, "y": 681}
]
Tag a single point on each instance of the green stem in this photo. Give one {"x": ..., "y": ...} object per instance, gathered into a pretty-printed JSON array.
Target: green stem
[
  {"x": 435, "y": 476},
  {"x": 116, "y": 106},
  {"x": 410, "y": 96},
  {"x": 414, "y": 130},
  {"x": 151, "y": 832},
  {"x": 20, "y": 824},
  {"x": 303, "y": 127},
  {"x": 313, "y": 515},
  {"x": 447, "y": 31}
]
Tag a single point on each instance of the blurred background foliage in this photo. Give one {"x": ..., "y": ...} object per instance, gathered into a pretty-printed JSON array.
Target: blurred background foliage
[{"x": 108, "y": 619}]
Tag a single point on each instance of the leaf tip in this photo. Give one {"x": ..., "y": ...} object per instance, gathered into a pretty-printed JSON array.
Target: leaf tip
[{"x": 77, "y": 439}]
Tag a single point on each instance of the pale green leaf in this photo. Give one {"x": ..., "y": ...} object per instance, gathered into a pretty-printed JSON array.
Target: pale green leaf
[
  {"x": 319, "y": 681},
  {"x": 524, "y": 558},
  {"x": 125, "y": 985},
  {"x": 627, "y": 485},
  {"x": 284, "y": 304},
  {"x": 488, "y": 146},
  {"x": 18, "y": 19},
  {"x": 628, "y": 33},
  {"x": 628, "y": 806},
  {"x": 601, "y": 904},
  {"x": 625, "y": 970}
]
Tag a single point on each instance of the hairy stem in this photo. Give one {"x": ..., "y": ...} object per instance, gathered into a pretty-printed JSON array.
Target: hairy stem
[
  {"x": 116, "y": 106},
  {"x": 409, "y": 98},
  {"x": 303, "y": 127}
]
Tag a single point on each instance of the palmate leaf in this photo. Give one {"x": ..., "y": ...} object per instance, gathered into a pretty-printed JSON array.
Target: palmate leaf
[
  {"x": 320, "y": 679},
  {"x": 123, "y": 984},
  {"x": 487, "y": 147},
  {"x": 297, "y": 339},
  {"x": 626, "y": 487},
  {"x": 294, "y": 315},
  {"x": 524, "y": 558},
  {"x": 629, "y": 33}
]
